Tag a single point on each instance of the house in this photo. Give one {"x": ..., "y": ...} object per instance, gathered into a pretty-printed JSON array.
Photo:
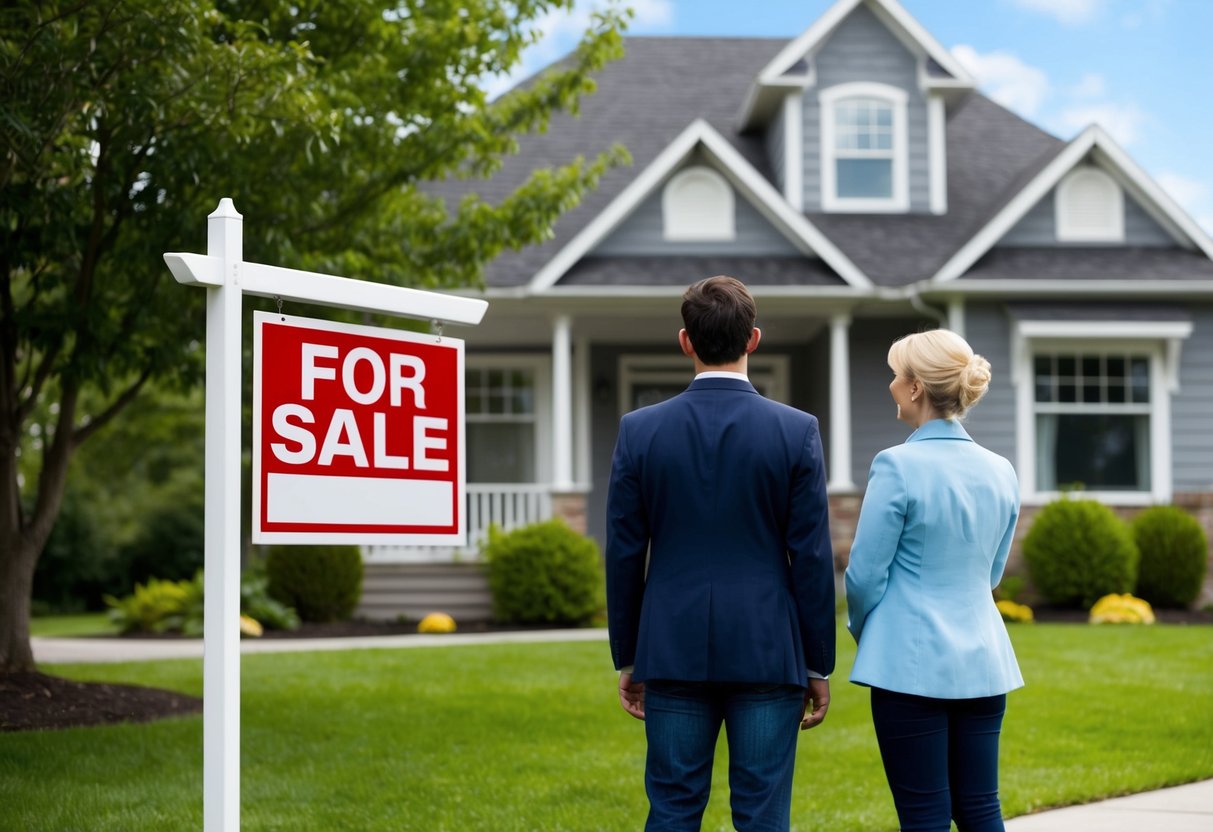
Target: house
[{"x": 855, "y": 179}]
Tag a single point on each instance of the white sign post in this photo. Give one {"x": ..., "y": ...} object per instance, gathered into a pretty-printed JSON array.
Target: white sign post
[{"x": 228, "y": 278}]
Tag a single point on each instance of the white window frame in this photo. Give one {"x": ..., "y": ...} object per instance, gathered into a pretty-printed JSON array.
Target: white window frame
[
  {"x": 1159, "y": 341},
  {"x": 769, "y": 370},
  {"x": 1067, "y": 230},
  {"x": 697, "y": 219},
  {"x": 899, "y": 200},
  {"x": 541, "y": 367}
]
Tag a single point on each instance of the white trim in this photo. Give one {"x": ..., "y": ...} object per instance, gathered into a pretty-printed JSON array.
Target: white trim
[
  {"x": 583, "y": 413},
  {"x": 899, "y": 200},
  {"x": 712, "y": 216},
  {"x": 1151, "y": 339},
  {"x": 793, "y": 149},
  {"x": 1110, "y": 330},
  {"x": 1097, "y": 288},
  {"x": 840, "y": 405},
  {"x": 768, "y": 201},
  {"x": 893, "y": 12},
  {"x": 937, "y": 142},
  {"x": 956, "y": 316},
  {"x": 1038, "y": 188},
  {"x": 562, "y": 403},
  {"x": 1063, "y": 207}
]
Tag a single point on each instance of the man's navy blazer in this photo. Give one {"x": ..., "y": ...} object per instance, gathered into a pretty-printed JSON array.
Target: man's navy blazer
[{"x": 724, "y": 492}]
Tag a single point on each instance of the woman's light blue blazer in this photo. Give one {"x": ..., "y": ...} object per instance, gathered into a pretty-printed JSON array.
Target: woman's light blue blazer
[{"x": 932, "y": 541}]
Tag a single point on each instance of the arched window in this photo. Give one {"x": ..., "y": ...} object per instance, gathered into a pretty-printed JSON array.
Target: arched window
[
  {"x": 864, "y": 148},
  {"x": 697, "y": 204},
  {"x": 1090, "y": 207}
]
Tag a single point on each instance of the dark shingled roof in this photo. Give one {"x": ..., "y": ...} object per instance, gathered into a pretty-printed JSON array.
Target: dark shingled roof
[
  {"x": 647, "y": 98},
  {"x": 1092, "y": 263},
  {"x": 683, "y": 270}
]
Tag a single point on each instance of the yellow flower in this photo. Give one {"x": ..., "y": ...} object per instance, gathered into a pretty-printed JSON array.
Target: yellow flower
[
  {"x": 436, "y": 622},
  {"x": 1121, "y": 609},
  {"x": 1015, "y": 612},
  {"x": 250, "y": 626}
]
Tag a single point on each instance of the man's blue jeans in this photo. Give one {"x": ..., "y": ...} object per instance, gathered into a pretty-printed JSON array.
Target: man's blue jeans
[{"x": 682, "y": 723}]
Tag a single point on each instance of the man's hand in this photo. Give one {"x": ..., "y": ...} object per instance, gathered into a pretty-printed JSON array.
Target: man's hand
[
  {"x": 816, "y": 703},
  {"x": 631, "y": 695}
]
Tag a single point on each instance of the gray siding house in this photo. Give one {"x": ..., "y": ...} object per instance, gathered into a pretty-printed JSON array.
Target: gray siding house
[{"x": 859, "y": 184}]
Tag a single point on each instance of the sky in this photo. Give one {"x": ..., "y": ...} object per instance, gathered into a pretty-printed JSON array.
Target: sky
[{"x": 1142, "y": 69}]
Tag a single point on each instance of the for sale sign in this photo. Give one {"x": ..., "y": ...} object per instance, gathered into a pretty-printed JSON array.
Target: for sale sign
[{"x": 357, "y": 434}]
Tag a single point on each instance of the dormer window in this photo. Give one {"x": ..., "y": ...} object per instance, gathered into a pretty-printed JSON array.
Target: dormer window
[
  {"x": 1090, "y": 208},
  {"x": 697, "y": 204},
  {"x": 863, "y": 148}
]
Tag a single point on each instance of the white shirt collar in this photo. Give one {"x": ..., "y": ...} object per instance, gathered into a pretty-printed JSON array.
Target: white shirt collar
[{"x": 722, "y": 374}]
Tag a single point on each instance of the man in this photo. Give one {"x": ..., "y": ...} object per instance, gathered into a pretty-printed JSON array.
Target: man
[{"x": 720, "y": 575}]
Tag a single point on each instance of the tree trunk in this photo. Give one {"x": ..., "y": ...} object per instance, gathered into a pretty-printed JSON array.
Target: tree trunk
[{"x": 16, "y": 582}]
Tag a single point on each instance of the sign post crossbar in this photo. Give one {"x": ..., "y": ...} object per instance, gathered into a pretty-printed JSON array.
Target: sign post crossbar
[{"x": 227, "y": 278}]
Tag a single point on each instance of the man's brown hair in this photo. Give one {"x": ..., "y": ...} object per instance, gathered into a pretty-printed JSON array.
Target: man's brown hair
[{"x": 719, "y": 315}]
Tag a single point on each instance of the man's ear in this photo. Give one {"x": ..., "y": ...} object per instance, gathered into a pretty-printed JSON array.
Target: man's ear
[
  {"x": 684, "y": 341},
  {"x": 752, "y": 344}
]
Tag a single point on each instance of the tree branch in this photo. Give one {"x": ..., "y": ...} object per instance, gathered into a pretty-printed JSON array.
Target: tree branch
[{"x": 127, "y": 396}]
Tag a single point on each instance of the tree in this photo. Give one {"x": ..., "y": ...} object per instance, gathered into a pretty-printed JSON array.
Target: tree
[{"x": 122, "y": 121}]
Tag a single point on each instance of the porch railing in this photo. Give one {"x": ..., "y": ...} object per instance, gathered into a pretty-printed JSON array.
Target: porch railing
[{"x": 508, "y": 505}]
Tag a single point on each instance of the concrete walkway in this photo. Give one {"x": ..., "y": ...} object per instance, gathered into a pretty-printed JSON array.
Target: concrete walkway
[
  {"x": 89, "y": 650},
  {"x": 1181, "y": 809}
]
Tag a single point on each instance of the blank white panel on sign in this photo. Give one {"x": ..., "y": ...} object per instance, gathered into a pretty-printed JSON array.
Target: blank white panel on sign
[{"x": 295, "y": 498}]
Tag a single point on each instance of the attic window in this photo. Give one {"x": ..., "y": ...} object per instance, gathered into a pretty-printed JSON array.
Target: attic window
[
  {"x": 864, "y": 148},
  {"x": 1090, "y": 208},
  {"x": 697, "y": 204}
]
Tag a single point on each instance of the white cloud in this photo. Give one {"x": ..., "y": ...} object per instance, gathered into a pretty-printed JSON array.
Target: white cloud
[
  {"x": 1005, "y": 78},
  {"x": 1190, "y": 193},
  {"x": 652, "y": 13},
  {"x": 1092, "y": 85},
  {"x": 1122, "y": 121},
  {"x": 1070, "y": 12}
]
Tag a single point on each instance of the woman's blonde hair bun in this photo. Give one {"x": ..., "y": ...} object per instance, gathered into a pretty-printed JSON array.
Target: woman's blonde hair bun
[{"x": 954, "y": 377}]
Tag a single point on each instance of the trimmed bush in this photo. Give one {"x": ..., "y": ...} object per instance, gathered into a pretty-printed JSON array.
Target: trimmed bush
[
  {"x": 544, "y": 573},
  {"x": 1174, "y": 556},
  {"x": 160, "y": 607},
  {"x": 322, "y": 583},
  {"x": 1077, "y": 551}
]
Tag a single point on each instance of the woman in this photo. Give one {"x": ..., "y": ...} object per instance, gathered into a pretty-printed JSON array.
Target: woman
[{"x": 932, "y": 540}]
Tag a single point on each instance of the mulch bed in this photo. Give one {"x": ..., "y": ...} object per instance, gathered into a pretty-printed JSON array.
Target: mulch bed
[{"x": 37, "y": 702}]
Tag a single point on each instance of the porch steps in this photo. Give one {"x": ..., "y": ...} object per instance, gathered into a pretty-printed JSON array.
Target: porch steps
[{"x": 411, "y": 590}]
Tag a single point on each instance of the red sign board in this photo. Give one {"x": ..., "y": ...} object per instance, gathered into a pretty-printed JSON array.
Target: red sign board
[{"x": 358, "y": 434}]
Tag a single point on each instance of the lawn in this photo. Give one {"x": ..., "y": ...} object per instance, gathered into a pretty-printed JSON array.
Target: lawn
[
  {"x": 530, "y": 737},
  {"x": 70, "y": 626}
]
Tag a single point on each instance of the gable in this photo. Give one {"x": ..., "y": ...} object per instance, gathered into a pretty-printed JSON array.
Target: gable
[
  {"x": 644, "y": 232},
  {"x": 1039, "y": 226}
]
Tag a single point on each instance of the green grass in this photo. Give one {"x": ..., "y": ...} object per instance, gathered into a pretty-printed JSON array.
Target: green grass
[
  {"x": 68, "y": 626},
  {"x": 531, "y": 737}
]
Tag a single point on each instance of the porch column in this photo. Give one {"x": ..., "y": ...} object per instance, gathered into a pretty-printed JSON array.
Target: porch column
[
  {"x": 840, "y": 404},
  {"x": 562, "y": 404},
  {"x": 956, "y": 316},
  {"x": 581, "y": 429}
]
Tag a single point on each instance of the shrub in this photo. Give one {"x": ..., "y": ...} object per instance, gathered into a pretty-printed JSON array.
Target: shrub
[
  {"x": 1174, "y": 556},
  {"x": 1121, "y": 609},
  {"x": 544, "y": 573},
  {"x": 177, "y": 606},
  {"x": 322, "y": 583},
  {"x": 257, "y": 604},
  {"x": 1078, "y": 551},
  {"x": 160, "y": 607}
]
